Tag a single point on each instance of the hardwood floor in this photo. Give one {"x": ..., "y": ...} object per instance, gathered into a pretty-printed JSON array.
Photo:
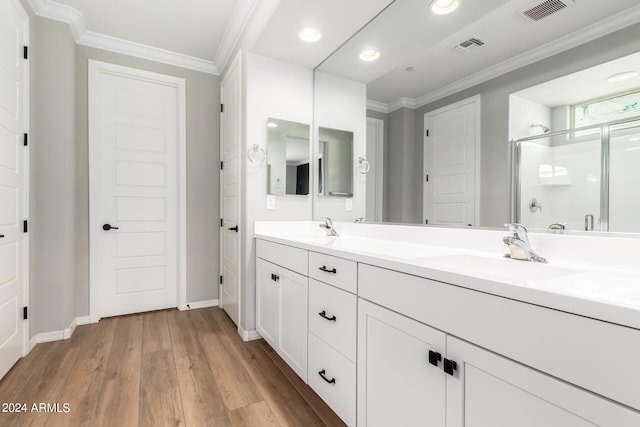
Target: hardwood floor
[{"x": 164, "y": 368}]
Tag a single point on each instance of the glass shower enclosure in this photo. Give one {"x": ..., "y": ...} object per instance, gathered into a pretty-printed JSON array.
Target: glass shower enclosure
[{"x": 585, "y": 178}]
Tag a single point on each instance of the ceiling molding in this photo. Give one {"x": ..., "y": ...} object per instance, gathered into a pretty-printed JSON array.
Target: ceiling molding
[
  {"x": 232, "y": 34},
  {"x": 587, "y": 34},
  {"x": 63, "y": 13},
  {"x": 380, "y": 107}
]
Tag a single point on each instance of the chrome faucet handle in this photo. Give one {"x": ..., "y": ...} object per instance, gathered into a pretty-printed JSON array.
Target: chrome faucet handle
[
  {"x": 327, "y": 222},
  {"x": 516, "y": 229},
  {"x": 363, "y": 219}
]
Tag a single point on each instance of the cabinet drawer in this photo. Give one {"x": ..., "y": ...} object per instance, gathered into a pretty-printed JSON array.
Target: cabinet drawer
[
  {"x": 332, "y": 317},
  {"x": 285, "y": 256},
  {"x": 333, "y": 377},
  {"x": 338, "y": 272}
]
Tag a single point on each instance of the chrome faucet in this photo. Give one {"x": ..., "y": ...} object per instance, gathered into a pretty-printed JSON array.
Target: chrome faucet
[
  {"x": 358, "y": 220},
  {"x": 518, "y": 243},
  {"x": 328, "y": 226}
]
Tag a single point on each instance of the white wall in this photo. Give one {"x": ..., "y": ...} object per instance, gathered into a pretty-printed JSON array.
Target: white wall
[
  {"x": 278, "y": 90},
  {"x": 341, "y": 104}
]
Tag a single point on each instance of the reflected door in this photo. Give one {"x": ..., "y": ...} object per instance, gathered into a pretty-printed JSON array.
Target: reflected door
[
  {"x": 134, "y": 144},
  {"x": 451, "y": 138}
]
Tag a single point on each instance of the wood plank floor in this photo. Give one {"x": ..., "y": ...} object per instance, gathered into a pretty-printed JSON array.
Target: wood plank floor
[{"x": 163, "y": 368}]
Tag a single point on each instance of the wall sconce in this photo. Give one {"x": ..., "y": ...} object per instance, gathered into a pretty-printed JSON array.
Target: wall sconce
[
  {"x": 256, "y": 155},
  {"x": 363, "y": 165}
]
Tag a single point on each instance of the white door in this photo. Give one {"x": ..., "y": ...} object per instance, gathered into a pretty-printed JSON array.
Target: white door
[
  {"x": 13, "y": 160},
  {"x": 397, "y": 386},
  {"x": 375, "y": 156},
  {"x": 230, "y": 192},
  {"x": 451, "y": 155},
  {"x": 135, "y": 132}
]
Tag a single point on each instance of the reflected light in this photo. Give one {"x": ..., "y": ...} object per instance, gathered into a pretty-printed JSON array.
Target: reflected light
[{"x": 442, "y": 7}]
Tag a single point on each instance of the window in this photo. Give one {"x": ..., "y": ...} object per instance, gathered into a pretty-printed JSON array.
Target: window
[{"x": 603, "y": 110}]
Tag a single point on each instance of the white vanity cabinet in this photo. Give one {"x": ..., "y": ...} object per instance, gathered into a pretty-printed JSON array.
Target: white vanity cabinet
[
  {"x": 281, "y": 302},
  {"x": 332, "y": 333}
]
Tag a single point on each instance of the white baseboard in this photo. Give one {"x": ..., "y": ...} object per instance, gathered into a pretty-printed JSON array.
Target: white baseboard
[
  {"x": 248, "y": 335},
  {"x": 202, "y": 304},
  {"x": 58, "y": 335}
]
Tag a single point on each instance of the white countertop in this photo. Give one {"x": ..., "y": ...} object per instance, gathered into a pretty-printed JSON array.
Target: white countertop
[{"x": 593, "y": 289}]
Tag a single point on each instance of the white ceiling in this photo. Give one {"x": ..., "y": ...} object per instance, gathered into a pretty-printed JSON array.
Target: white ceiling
[{"x": 407, "y": 34}]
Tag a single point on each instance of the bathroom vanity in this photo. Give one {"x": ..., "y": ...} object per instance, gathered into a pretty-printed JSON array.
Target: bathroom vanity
[{"x": 402, "y": 325}]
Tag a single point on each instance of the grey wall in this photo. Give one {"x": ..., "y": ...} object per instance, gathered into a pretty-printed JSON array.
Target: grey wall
[
  {"x": 494, "y": 179},
  {"x": 59, "y": 192}
]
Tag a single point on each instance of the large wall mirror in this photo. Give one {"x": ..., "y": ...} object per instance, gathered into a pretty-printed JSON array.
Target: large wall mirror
[
  {"x": 416, "y": 63},
  {"x": 288, "y": 154},
  {"x": 335, "y": 163}
]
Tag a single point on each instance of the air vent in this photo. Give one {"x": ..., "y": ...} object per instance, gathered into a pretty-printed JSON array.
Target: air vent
[
  {"x": 469, "y": 44},
  {"x": 542, "y": 10}
]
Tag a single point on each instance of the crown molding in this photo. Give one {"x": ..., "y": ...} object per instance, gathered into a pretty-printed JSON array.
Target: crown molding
[
  {"x": 239, "y": 19},
  {"x": 380, "y": 107},
  {"x": 587, "y": 34},
  {"x": 63, "y": 13}
]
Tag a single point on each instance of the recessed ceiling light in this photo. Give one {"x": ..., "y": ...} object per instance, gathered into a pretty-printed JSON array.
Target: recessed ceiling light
[
  {"x": 272, "y": 125},
  {"x": 622, "y": 77},
  {"x": 442, "y": 7},
  {"x": 369, "y": 55},
  {"x": 310, "y": 35}
]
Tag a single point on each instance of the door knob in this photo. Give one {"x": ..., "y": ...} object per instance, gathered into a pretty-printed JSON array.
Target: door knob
[
  {"x": 108, "y": 227},
  {"x": 233, "y": 229}
]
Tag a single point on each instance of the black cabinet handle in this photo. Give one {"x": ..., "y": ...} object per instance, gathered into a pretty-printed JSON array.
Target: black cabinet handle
[
  {"x": 233, "y": 229},
  {"x": 326, "y": 270},
  {"x": 330, "y": 381},
  {"x": 434, "y": 357},
  {"x": 108, "y": 227},
  {"x": 323, "y": 313},
  {"x": 275, "y": 277},
  {"x": 450, "y": 366},
  {"x": 1, "y": 236}
]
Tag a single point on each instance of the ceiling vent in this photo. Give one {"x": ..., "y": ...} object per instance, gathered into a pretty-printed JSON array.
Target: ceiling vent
[
  {"x": 470, "y": 44},
  {"x": 540, "y": 11}
]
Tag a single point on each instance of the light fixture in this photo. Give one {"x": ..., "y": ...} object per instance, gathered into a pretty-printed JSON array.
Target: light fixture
[
  {"x": 369, "y": 55},
  {"x": 622, "y": 77},
  {"x": 310, "y": 35},
  {"x": 272, "y": 125},
  {"x": 442, "y": 7}
]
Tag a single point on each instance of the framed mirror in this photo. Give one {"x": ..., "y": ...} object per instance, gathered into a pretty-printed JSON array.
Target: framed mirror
[
  {"x": 288, "y": 154},
  {"x": 335, "y": 163}
]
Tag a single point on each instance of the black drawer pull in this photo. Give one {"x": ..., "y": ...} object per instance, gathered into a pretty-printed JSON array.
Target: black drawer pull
[
  {"x": 323, "y": 313},
  {"x": 1, "y": 236},
  {"x": 330, "y": 381},
  {"x": 326, "y": 270},
  {"x": 450, "y": 366},
  {"x": 275, "y": 277},
  {"x": 434, "y": 357}
]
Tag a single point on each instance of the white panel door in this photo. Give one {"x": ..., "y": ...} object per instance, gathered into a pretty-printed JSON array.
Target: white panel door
[
  {"x": 13, "y": 27},
  {"x": 134, "y": 149},
  {"x": 450, "y": 163},
  {"x": 375, "y": 157},
  {"x": 230, "y": 190}
]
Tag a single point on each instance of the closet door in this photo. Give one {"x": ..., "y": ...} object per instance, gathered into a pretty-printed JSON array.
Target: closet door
[{"x": 13, "y": 162}]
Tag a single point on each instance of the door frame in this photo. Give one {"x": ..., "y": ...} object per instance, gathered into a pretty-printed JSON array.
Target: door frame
[
  {"x": 425, "y": 192},
  {"x": 378, "y": 166},
  {"x": 234, "y": 67},
  {"x": 95, "y": 69}
]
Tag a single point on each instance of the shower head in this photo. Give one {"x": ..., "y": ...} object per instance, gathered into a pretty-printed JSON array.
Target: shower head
[{"x": 543, "y": 127}]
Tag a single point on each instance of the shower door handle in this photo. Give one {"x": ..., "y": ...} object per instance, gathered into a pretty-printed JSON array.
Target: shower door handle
[{"x": 588, "y": 222}]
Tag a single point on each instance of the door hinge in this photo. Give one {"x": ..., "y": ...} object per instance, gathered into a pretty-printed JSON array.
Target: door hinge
[
  {"x": 427, "y": 132},
  {"x": 25, "y": 313},
  {"x": 25, "y": 140},
  {"x": 222, "y": 108},
  {"x": 221, "y": 165},
  {"x": 25, "y": 226},
  {"x": 221, "y": 280},
  {"x": 221, "y": 222},
  {"x": 25, "y": 52},
  {"x": 426, "y": 178}
]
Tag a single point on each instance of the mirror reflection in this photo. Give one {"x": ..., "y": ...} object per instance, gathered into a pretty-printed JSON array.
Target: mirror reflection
[
  {"x": 427, "y": 64},
  {"x": 288, "y": 153},
  {"x": 335, "y": 163}
]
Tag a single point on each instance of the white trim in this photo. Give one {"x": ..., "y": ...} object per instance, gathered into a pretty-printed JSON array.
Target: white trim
[
  {"x": 248, "y": 335},
  {"x": 95, "y": 68},
  {"x": 58, "y": 335},
  {"x": 380, "y": 107},
  {"x": 476, "y": 99},
  {"x": 202, "y": 304},
  {"x": 64, "y": 13},
  {"x": 569, "y": 41}
]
